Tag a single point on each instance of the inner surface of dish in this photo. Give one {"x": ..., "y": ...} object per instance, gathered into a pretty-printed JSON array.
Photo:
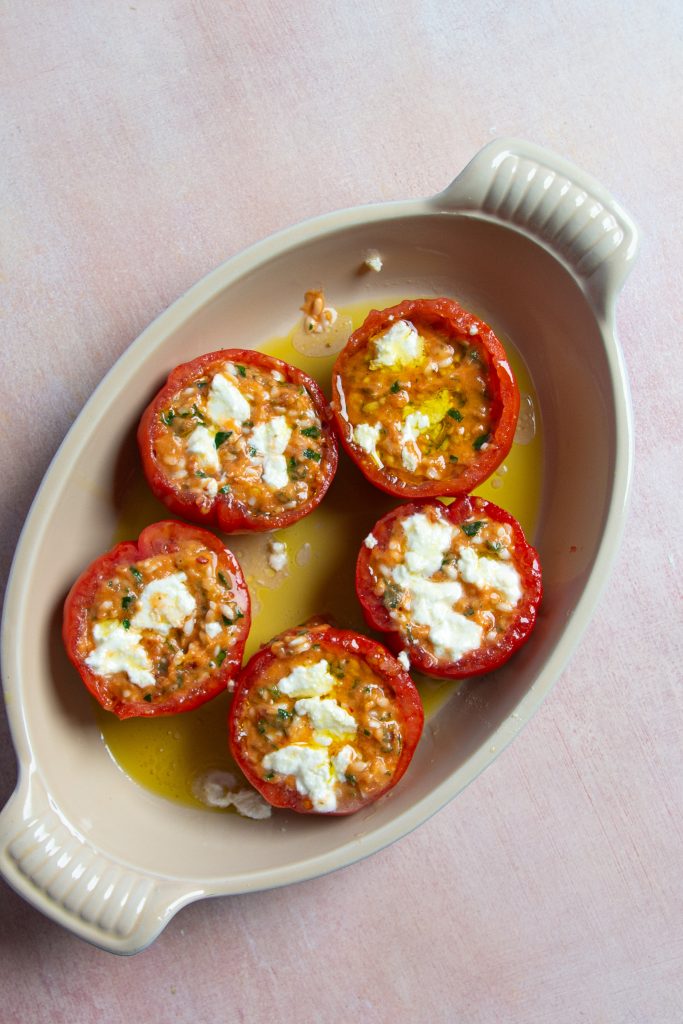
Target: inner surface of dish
[{"x": 174, "y": 757}]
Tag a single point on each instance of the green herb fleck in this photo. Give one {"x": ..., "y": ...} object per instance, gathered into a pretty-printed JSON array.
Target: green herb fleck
[
  {"x": 310, "y": 431},
  {"x": 310, "y": 454},
  {"x": 453, "y": 458},
  {"x": 469, "y": 611},
  {"x": 198, "y": 414},
  {"x": 242, "y": 370},
  {"x": 148, "y": 698},
  {"x": 480, "y": 441},
  {"x": 221, "y": 436},
  {"x": 269, "y": 776},
  {"x": 224, "y": 490},
  {"x": 127, "y": 601},
  {"x": 351, "y": 779},
  {"x": 168, "y": 417},
  {"x": 395, "y": 387},
  {"x": 261, "y": 727},
  {"x": 220, "y": 657},
  {"x": 366, "y": 732},
  {"x": 284, "y": 713},
  {"x": 136, "y": 573},
  {"x": 471, "y": 528},
  {"x": 222, "y": 578},
  {"x": 455, "y": 414},
  {"x": 125, "y": 623},
  {"x": 201, "y": 383},
  {"x": 200, "y": 473}
]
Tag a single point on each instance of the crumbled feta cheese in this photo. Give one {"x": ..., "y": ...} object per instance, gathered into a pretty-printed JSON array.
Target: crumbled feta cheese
[
  {"x": 402, "y": 656},
  {"x": 401, "y": 345},
  {"x": 312, "y": 772},
  {"x": 373, "y": 261},
  {"x": 226, "y": 403},
  {"x": 366, "y": 437},
  {"x": 474, "y": 330},
  {"x": 164, "y": 604},
  {"x": 343, "y": 759},
  {"x": 426, "y": 543},
  {"x": 370, "y": 541},
  {"x": 327, "y": 717},
  {"x": 201, "y": 443},
  {"x": 489, "y": 573},
  {"x": 308, "y": 680},
  {"x": 212, "y": 629},
  {"x": 120, "y": 650},
  {"x": 269, "y": 440},
  {"x": 431, "y": 604},
  {"x": 415, "y": 423},
  {"x": 277, "y": 555}
]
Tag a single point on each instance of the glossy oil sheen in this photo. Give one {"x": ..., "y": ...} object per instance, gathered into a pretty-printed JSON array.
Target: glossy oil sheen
[{"x": 166, "y": 755}]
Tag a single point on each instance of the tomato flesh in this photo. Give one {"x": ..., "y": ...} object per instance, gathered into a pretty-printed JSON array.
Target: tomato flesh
[
  {"x": 455, "y": 586},
  {"x": 324, "y": 720},
  {"x": 239, "y": 440},
  {"x": 424, "y": 399},
  {"x": 158, "y": 626}
]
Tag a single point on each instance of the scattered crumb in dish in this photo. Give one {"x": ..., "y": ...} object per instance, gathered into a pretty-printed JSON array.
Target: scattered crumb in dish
[{"x": 217, "y": 789}]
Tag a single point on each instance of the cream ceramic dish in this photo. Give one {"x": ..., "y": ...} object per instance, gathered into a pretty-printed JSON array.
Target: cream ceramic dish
[{"x": 539, "y": 249}]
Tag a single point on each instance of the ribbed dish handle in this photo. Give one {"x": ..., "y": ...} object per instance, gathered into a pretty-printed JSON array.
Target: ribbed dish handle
[
  {"x": 563, "y": 209},
  {"x": 66, "y": 878}
]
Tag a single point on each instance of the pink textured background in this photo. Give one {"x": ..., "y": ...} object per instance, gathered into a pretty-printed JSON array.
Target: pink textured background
[{"x": 143, "y": 143}]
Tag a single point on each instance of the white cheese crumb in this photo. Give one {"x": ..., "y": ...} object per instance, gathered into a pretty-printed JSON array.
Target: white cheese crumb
[
  {"x": 402, "y": 656},
  {"x": 326, "y": 716},
  {"x": 277, "y": 555},
  {"x": 164, "y": 604},
  {"x": 269, "y": 440},
  {"x": 401, "y": 345},
  {"x": 415, "y": 423},
  {"x": 373, "y": 260},
  {"x": 370, "y": 541},
  {"x": 474, "y": 330},
  {"x": 308, "y": 680},
  {"x": 366, "y": 436},
  {"x": 202, "y": 444},
  {"x": 120, "y": 650},
  {"x": 212, "y": 629},
  {"x": 490, "y": 573},
  {"x": 312, "y": 772},
  {"x": 226, "y": 403}
]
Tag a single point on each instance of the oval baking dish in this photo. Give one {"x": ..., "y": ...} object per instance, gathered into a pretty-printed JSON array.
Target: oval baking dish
[{"x": 539, "y": 250}]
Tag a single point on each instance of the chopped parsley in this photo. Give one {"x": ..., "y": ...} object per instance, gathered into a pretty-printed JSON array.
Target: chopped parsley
[
  {"x": 395, "y": 387},
  {"x": 480, "y": 441},
  {"x": 220, "y": 657},
  {"x": 284, "y": 713},
  {"x": 225, "y": 489},
  {"x": 125, "y": 623},
  {"x": 310, "y": 431},
  {"x": 147, "y": 697},
  {"x": 221, "y": 437},
  {"x": 168, "y": 416},
  {"x": 242, "y": 370},
  {"x": 198, "y": 414},
  {"x": 127, "y": 601},
  {"x": 136, "y": 573},
  {"x": 455, "y": 414},
  {"x": 472, "y": 528},
  {"x": 310, "y": 454},
  {"x": 221, "y": 577}
]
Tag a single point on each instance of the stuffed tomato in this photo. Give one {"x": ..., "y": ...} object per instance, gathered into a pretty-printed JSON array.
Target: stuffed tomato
[
  {"x": 424, "y": 399},
  {"x": 324, "y": 720},
  {"x": 239, "y": 440},
  {"x": 159, "y": 626},
  {"x": 455, "y": 587}
]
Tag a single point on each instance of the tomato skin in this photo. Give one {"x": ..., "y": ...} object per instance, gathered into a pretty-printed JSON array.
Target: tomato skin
[
  {"x": 225, "y": 512},
  {"x": 446, "y": 313},
  {"x": 159, "y": 538},
  {"x": 485, "y": 658},
  {"x": 336, "y": 641}
]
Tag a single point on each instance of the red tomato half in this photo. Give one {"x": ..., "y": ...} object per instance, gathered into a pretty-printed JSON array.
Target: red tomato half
[
  {"x": 324, "y": 720},
  {"x": 454, "y": 586},
  {"x": 159, "y": 627},
  {"x": 239, "y": 440},
  {"x": 424, "y": 399}
]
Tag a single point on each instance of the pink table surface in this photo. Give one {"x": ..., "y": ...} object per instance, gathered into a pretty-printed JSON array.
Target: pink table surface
[{"x": 142, "y": 144}]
